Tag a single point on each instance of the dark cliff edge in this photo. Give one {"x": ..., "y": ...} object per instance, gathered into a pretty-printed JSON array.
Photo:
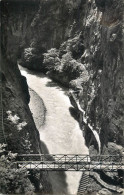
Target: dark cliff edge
[{"x": 21, "y": 135}]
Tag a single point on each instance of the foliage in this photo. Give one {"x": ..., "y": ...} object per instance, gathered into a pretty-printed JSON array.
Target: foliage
[
  {"x": 67, "y": 65},
  {"x": 12, "y": 180},
  {"x": 32, "y": 57},
  {"x": 14, "y": 119},
  {"x": 71, "y": 66},
  {"x": 51, "y": 60},
  {"x": 29, "y": 54}
]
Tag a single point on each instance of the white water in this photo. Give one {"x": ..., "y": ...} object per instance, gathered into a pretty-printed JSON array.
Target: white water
[
  {"x": 61, "y": 132},
  {"x": 93, "y": 131}
]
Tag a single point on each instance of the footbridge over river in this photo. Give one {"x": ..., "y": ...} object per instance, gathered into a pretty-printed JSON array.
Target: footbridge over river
[{"x": 70, "y": 162}]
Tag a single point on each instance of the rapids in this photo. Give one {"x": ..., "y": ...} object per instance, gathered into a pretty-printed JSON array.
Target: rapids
[{"x": 61, "y": 132}]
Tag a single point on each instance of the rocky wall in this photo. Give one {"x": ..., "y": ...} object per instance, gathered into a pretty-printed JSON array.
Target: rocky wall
[
  {"x": 21, "y": 135},
  {"x": 102, "y": 96},
  {"x": 17, "y": 116}
]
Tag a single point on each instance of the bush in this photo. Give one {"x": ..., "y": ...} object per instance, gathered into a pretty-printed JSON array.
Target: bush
[
  {"x": 71, "y": 66},
  {"x": 12, "y": 180},
  {"x": 64, "y": 64},
  {"x": 32, "y": 58},
  {"x": 51, "y": 60}
]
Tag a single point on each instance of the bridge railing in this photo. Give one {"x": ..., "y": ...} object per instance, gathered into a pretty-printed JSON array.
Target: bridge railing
[
  {"x": 54, "y": 157},
  {"x": 71, "y": 158}
]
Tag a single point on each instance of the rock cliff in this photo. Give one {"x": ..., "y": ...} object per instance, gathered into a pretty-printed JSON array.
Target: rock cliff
[
  {"x": 20, "y": 133},
  {"x": 18, "y": 121}
]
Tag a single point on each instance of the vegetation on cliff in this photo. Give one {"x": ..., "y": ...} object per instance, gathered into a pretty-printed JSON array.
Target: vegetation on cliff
[{"x": 13, "y": 180}]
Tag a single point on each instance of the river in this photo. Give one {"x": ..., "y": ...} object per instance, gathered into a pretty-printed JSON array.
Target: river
[{"x": 61, "y": 132}]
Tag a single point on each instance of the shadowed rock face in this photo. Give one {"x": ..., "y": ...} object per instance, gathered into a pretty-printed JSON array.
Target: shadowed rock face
[
  {"x": 112, "y": 80},
  {"x": 102, "y": 95},
  {"x": 20, "y": 131},
  {"x": 15, "y": 90}
]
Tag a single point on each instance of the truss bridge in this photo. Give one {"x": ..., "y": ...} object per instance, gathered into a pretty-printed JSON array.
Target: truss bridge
[{"x": 69, "y": 162}]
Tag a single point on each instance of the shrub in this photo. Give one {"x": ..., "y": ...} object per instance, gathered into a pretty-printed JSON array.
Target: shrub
[
  {"x": 51, "y": 60},
  {"x": 12, "y": 180},
  {"x": 32, "y": 58},
  {"x": 71, "y": 66}
]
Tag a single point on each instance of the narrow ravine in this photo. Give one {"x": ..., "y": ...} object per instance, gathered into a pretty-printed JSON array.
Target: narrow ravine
[{"x": 61, "y": 132}]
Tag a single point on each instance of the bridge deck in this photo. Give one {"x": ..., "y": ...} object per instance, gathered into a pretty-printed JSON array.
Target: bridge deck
[
  {"x": 69, "y": 167},
  {"x": 70, "y": 162}
]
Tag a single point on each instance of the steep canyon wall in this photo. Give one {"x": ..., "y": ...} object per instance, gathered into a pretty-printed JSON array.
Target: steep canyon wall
[
  {"x": 87, "y": 37},
  {"x": 20, "y": 133}
]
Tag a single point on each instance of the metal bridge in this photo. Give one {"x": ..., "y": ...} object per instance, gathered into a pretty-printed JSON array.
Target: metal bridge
[{"x": 70, "y": 162}]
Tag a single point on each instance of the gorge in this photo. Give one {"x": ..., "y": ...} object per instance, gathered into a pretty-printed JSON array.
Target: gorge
[
  {"x": 79, "y": 45},
  {"x": 60, "y": 133}
]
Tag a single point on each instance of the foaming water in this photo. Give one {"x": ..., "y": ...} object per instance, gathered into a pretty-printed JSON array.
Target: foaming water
[{"x": 61, "y": 132}]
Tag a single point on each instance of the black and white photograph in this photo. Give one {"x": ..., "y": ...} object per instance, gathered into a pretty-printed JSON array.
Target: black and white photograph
[{"x": 62, "y": 97}]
